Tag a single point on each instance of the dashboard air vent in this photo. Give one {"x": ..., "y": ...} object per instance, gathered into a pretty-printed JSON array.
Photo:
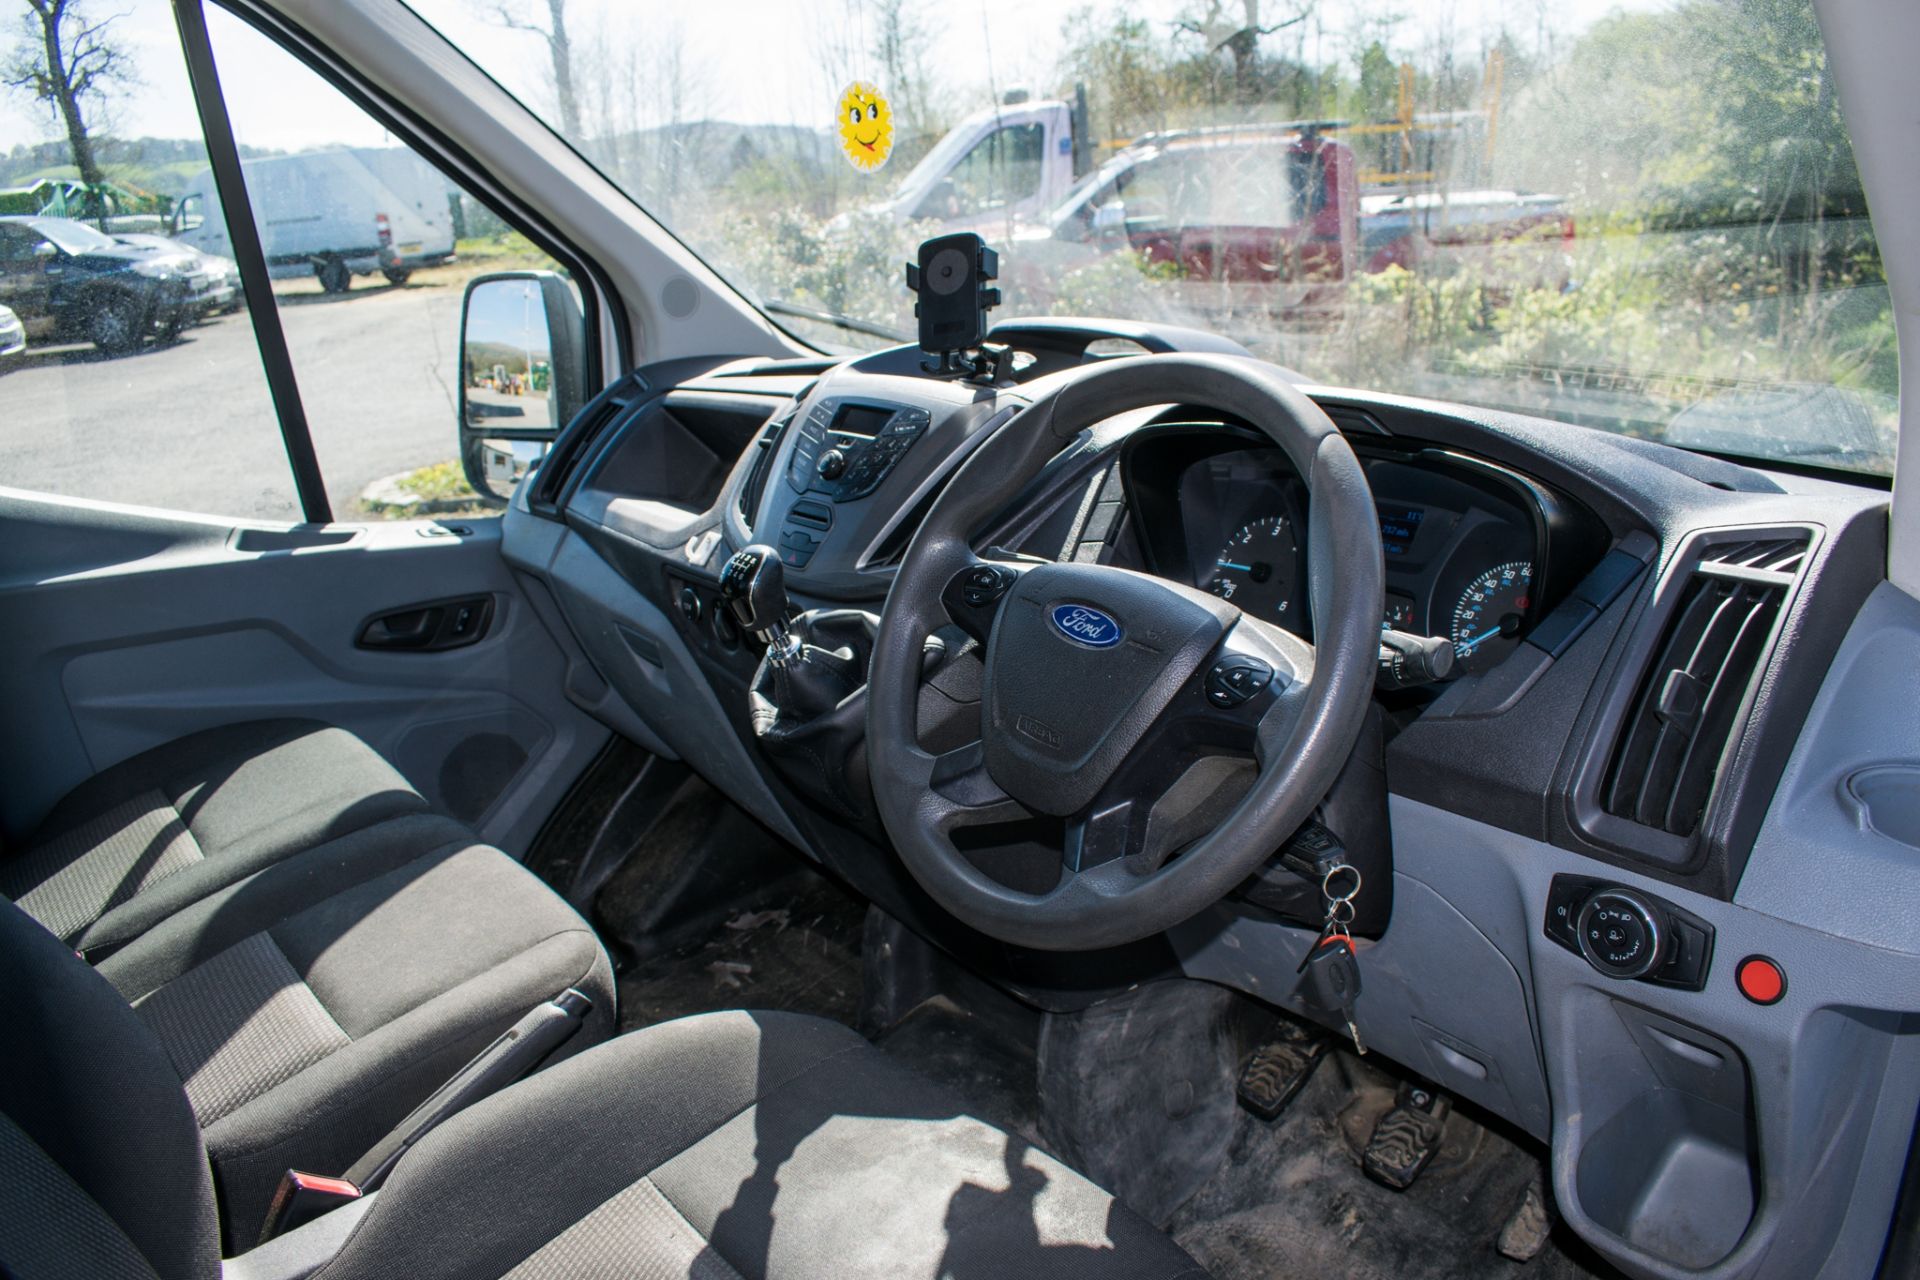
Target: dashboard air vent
[
  {"x": 1700, "y": 683},
  {"x": 576, "y": 440},
  {"x": 764, "y": 448}
]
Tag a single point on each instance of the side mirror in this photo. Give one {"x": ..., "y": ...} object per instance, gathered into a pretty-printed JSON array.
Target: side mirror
[
  {"x": 45, "y": 251},
  {"x": 1110, "y": 218},
  {"x": 522, "y": 374}
]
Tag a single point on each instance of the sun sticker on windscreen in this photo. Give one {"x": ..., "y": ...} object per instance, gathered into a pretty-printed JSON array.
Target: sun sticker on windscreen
[{"x": 866, "y": 126}]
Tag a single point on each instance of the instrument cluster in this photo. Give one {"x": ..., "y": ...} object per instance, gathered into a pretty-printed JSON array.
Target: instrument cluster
[{"x": 1466, "y": 543}]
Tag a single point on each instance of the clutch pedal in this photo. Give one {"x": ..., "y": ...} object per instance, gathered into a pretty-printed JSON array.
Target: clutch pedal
[{"x": 1279, "y": 1069}]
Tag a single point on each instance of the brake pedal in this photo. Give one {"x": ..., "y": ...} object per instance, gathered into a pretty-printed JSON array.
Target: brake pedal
[
  {"x": 1279, "y": 1069},
  {"x": 1407, "y": 1137}
]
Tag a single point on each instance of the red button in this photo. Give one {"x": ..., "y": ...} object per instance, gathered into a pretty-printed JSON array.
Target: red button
[{"x": 1760, "y": 980}]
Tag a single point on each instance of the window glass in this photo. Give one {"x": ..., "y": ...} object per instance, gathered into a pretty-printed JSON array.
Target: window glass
[
  {"x": 1003, "y": 169},
  {"x": 1163, "y": 191},
  {"x": 128, "y": 366},
  {"x": 1252, "y": 188},
  {"x": 1641, "y": 215},
  {"x": 370, "y": 248}
]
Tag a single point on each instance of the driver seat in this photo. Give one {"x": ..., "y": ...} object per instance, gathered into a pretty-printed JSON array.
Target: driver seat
[{"x": 717, "y": 1147}]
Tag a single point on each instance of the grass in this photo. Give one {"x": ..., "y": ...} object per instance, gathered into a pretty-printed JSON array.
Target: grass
[
  {"x": 440, "y": 482},
  {"x": 439, "y": 490}
]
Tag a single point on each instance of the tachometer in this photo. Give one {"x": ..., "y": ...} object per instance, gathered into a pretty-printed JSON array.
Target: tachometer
[
  {"x": 1258, "y": 570},
  {"x": 1490, "y": 612}
]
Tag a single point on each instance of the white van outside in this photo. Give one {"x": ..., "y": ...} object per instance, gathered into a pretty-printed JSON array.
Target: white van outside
[{"x": 328, "y": 212}]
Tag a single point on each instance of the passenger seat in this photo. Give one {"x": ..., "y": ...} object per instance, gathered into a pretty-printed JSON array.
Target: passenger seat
[
  {"x": 315, "y": 952},
  {"x": 158, "y": 832}
]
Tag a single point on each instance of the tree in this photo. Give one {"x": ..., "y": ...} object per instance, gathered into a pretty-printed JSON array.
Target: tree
[
  {"x": 69, "y": 61},
  {"x": 1239, "y": 37},
  {"x": 524, "y": 15}
]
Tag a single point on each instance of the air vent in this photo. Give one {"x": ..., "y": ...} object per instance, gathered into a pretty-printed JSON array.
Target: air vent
[
  {"x": 762, "y": 466},
  {"x": 1700, "y": 684}
]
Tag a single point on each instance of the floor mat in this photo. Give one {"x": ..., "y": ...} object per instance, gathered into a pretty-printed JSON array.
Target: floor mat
[
  {"x": 992, "y": 1072},
  {"x": 797, "y": 950},
  {"x": 1291, "y": 1199}
]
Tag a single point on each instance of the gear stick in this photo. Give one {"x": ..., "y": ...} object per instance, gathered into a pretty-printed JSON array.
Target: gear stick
[{"x": 753, "y": 585}]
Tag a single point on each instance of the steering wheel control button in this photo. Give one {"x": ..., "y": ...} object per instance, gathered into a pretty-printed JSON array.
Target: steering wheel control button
[
  {"x": 982, "y": 585},
  {"x": 1761, "y": 980},
  {"x": 1621, "y": 934},
  {"x": 1234, "y": 679}
]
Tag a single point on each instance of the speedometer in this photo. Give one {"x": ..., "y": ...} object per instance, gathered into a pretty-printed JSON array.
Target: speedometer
[
  {"x": 1488, "y": 617},
  {"x": 1258, "y": 570}
]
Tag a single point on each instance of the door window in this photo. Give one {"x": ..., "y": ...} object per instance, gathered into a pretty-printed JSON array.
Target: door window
[
  {"x": 129, "y": 371},
  {"x": 370, "y": 248}
]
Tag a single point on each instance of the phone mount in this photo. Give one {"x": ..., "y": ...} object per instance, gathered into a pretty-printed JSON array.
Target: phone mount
[{"x": 951, "y": 286}]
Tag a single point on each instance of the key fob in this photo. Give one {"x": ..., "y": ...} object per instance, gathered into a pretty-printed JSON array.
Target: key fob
[{"x": 1331, "y": 982}]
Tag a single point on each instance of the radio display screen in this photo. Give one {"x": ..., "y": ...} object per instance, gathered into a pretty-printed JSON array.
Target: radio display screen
[{"x": 862, "y": 419}]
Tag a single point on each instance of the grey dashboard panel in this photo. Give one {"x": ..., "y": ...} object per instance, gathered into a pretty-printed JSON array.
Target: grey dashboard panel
[
  {"x": 1693, "y": 1133},
  {"x": 634, "y": 645},
  {"x": 1839, "y": 851}
]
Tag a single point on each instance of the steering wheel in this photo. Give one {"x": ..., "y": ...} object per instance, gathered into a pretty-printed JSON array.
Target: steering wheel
[{"x": 1169, "y": 743}]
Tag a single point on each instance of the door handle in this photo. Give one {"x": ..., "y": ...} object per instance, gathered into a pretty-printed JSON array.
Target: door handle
[{"x": 429, "y": 628}]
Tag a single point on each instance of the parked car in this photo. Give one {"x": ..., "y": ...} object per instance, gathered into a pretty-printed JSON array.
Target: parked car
[
  {"x": 329, "y": 212},
  {"x": 69, "y": 282},
  {"x": 224, "y": 298},
  {"x": 13, "y": 337}
]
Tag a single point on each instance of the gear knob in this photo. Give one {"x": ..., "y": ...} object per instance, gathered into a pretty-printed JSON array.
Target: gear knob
[{"x": 753, "y": 586}]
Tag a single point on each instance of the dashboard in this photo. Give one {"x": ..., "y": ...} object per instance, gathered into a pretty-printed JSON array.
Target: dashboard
[{"x": 1580, "y": 576}]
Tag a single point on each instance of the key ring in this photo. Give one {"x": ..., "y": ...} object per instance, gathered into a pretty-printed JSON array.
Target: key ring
[{"x": 1340, "y": 899}]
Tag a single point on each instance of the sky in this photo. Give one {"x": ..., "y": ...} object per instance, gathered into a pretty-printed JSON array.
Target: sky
[{"x": 981, "y": 43}]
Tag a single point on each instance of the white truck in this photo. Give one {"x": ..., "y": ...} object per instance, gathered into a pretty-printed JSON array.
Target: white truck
[
  {"x": 337, "y": 213},
  {"x": 1004, "y": 166}
]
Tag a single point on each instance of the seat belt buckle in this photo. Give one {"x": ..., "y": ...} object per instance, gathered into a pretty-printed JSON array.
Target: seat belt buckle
[{"x": 302, "y": 1197}]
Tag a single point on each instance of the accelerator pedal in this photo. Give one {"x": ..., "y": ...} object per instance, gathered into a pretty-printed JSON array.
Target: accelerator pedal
[
  {"x": 1405, "y": 1140},
  {"x": 1279, "y": 1069},
  {"x": 1525, "y": 1234}
]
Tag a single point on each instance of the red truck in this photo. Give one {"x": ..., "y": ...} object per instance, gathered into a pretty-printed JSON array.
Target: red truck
[{"x": 1275, "y": 218}]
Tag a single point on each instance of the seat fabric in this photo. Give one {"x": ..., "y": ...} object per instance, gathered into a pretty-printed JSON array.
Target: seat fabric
[
  {"x": 309, "y": 1008},
  {"x": 99, "y": 1152},
  {"x": 740, "y": 1145},
  {"x": 156, "y": 832}
]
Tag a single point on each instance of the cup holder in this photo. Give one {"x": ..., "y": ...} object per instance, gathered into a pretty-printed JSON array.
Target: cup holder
[{"x": 1886, "y": 798}]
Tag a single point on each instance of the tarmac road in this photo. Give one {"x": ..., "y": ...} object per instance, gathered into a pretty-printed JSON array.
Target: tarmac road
[{"x": 189, "y": 425}]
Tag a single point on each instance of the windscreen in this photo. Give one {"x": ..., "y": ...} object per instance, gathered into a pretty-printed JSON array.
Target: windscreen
[{"x": 1639, "y": 215}]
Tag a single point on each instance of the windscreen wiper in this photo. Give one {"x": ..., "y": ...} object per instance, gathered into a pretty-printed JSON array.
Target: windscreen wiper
[{"x": 851, "y": 324}]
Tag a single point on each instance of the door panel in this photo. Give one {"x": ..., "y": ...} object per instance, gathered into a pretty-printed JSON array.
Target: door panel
[{"x": 121, "y": 629}]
